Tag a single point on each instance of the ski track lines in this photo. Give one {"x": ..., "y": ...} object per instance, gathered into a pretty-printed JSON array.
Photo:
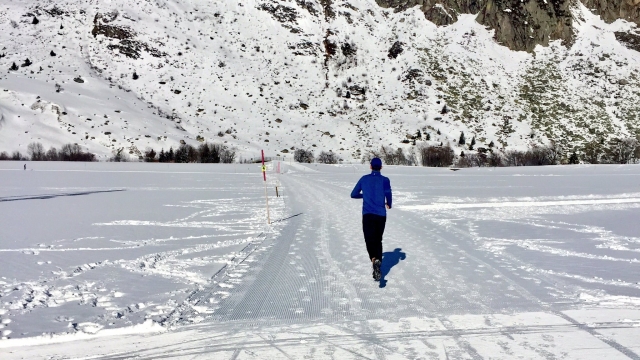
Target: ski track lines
[
  {"x": 303, "y": 289},
  {"x": 519, "y": 204},
  {"x": 316, "y": 272}
]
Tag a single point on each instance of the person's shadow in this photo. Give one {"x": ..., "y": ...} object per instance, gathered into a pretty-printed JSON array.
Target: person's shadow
[{"x": 389, "y": 260}]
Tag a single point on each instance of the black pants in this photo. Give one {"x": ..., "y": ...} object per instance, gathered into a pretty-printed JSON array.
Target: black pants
[{"x": 373, "y": 228}]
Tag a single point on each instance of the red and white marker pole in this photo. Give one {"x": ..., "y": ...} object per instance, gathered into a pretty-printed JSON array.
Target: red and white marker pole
[{"x": 264, "y": 176}]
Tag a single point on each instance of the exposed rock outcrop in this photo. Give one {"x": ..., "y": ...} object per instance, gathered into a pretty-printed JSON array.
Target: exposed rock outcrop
[
  {"x": 612, "y": 10},
  {"x": 521, "y": 25},
  {"x": 630, "y": 40},
  {"x": 440, "y": 12}
]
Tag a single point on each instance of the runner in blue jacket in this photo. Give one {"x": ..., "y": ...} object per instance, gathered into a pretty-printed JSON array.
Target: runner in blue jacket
[{"x": 375, "y": 190}]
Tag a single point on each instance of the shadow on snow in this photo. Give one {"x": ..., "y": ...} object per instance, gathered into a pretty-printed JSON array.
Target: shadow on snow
[
  {"x": 51, "y": 196},
  {"x": 389, "y": 260}
]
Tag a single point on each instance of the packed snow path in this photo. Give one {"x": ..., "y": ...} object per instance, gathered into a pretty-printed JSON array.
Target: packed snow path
[{"x": 479, "y": 264}]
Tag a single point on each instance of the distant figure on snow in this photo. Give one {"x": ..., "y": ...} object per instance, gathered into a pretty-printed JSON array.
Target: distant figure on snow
[
  {"x": 25, "y": 166},
  {"x": 375, "y": 190}
]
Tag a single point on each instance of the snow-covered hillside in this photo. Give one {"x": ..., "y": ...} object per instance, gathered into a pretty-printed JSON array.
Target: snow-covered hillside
[{"x": 281, "y": 75}]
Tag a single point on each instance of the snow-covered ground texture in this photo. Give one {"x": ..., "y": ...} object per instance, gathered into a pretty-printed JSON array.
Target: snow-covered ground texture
[
  {"x": 152, "y": 261},
  {"x": 311, "y": 74}
]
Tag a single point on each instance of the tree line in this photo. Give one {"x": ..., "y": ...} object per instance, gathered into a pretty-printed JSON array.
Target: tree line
[
  {"x": 616, "y": 151},
  {"x": 36, "y": 152},
  {"x": 205, "y": 153}
]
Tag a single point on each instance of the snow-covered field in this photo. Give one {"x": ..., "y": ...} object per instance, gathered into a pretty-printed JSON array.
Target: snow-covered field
[
  {"x": 293, "y": 77},
  {"x": 152, "y": 261}
]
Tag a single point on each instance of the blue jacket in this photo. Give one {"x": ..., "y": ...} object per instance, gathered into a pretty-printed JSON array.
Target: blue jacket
[{"x": 374, "y": 189}]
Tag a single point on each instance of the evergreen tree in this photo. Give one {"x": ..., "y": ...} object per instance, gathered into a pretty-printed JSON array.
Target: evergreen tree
[
  {"x": 171, "y": 156},
  {"x": 439, "y": 133},
  {"x": 428, "y": 137},
  {"x": 14, "y": 67},
  {"x": 573, "y": 159},
  {"x": 473, "y": 143},
  {"x": 462, "y": 140},
  {"x": 491, "y": 145}
]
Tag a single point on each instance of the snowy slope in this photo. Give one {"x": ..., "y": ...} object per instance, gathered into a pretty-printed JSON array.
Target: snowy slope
[{"x": 284, "y": 75}]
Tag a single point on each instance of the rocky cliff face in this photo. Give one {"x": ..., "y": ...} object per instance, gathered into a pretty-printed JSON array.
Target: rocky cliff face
[
  {"x": 440, "y": 12},
  {"x": 520, "y": 24},
  {"x": 611, "y": 10}
]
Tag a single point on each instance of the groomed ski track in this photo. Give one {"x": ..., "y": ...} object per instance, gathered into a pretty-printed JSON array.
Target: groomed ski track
[{"x": 304, "y": 290}]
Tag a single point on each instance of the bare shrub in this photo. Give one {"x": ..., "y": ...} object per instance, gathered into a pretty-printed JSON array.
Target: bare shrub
[
  {"x": 436, "y": 156},
  {"x": 303, "y": 156},
  {"x": 327, "y": 158},
  {"x": 118, "y": 155}
]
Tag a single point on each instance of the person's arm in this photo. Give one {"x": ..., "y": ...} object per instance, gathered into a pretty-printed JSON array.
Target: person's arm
[
  {"x": 357, "y": 191},
  {"x": 387, "y": 192}
]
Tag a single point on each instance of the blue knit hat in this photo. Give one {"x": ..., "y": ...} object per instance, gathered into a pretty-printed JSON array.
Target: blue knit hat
[{"x": 376, "y": 163}]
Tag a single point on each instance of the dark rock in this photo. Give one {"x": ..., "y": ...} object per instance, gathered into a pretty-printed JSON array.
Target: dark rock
[
  {"x": 35, "y": 21},
  {"x": 396, "y": 49},
  {"x": 612, "y": 10},
  {"x": 357, "y": 90},
  {"x": 304, "y": 106},
  {"x": 304, "y": 48},
  {"x": 26, "y": 63},
  {"x": 177, "y": 92},
  {"x": 348, "y": 50},
  {"x": 55, "y": 11},
  {"x": 630, "y": 40},
  {"x": 413, "y": 75},
  {"x": 282, "y": 13},
  {"x": 441, "y": 16},
  {"x": 523, "y": 25},
  {"x": 623, "y": 82},
  {"x": 135, "y": 76},
  {"x": 328, "y": 10},
  {"x": 133, "y": 48},
  {"x": 308, "y": 5},
  {"x": 112, "y": 31},
  {"x": 52, "y": 53},
  {"x": 79, "y": 80},
  {"x": 520, "y": 24},
  {"x": 330, "y": 48}
]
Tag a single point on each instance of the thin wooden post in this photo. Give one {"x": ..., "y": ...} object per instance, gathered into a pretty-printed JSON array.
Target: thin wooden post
[{"x": 266, "y": 196}]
